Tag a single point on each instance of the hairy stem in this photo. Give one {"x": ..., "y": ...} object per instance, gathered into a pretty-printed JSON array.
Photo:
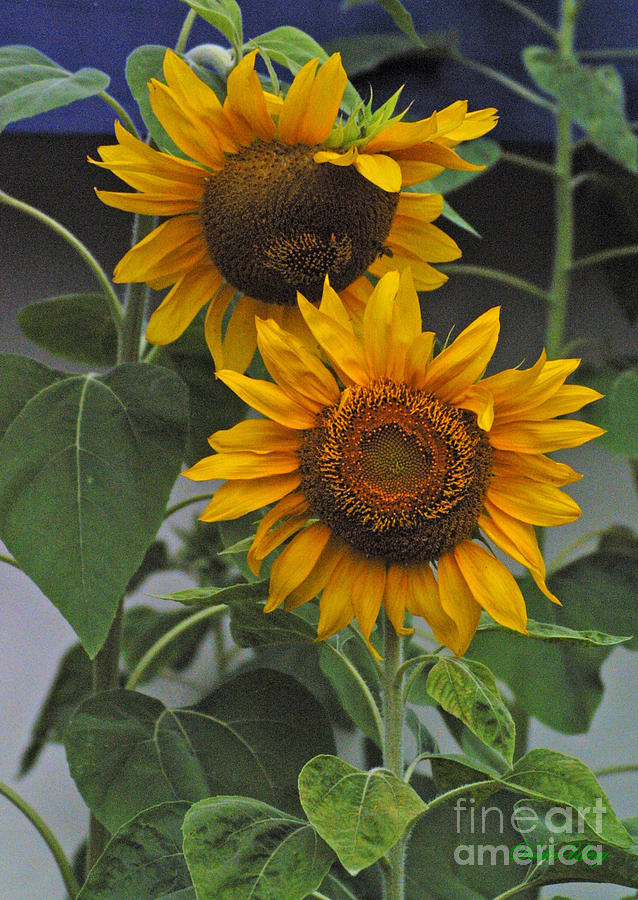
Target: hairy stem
[{"x": 393, "y": 748}]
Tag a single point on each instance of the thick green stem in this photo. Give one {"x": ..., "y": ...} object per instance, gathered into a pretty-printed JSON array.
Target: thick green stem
[
  {"x": 185, "y": 31},
  {"x": 47, "y": 835},
  {"x": 563, "y": 205},
  {"x": 392, "y": 683}
]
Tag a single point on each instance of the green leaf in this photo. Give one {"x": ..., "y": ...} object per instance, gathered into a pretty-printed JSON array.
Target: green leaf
[
  {"x": 424, "y": 741},
  {"x": 451, "y": 771},
  {"x": 617, "y": 410},
  {"x": 549, "y": 631},
  {"x": 92, "y": 461},
  {"x": 224, "y": 15},
  {"x": 482, "y": 152},
  {"x": 467, "y": 690},
  {"x": 147, "y": 62},
  {"x": 251, "y": 627},
  {"x": 211, "y": 596},
  {"x": 143, "y": 626},
  {"x": 292, "y": 48},
  {"x": 356, "y": 683},
  {"x": 594, "y": 98},
  {"x": 363, "y": 53},
  {"x": 560, "y": 779},
  {"x": 143, "y": 859},
  {"x": 71, "y": 684},
  {"x": 127, "y": 751},
  {"x": 241, "y": 849},
  {"x": 78, "y": 327},
  {"x": 31, "y": 83},
  {"x": 452, "y": 216},
  {"x": 400, "y": 16},
  {"x": 22, "y": 379},
  {"x": 359, "y": 814}
]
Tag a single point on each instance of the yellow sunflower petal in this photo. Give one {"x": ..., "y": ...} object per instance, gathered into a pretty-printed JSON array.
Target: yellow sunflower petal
[
  {"x": 242, "y": 465},
  {"x": 418, "y": 357},
  {"x": 534, "y": 466},
  {"x": 543, "y": 437},
  {"x": 340, "y": 346},
  {"x": 255, "y": 436},
  {"x": 186, "y": 127},
  {"x": 213, "y": 323},
  {"x": 236, "y": 498},
  {"x": 335, "y": 158},
  {"x": 463, "y": 362},
  {"x": 458, "y": 602},
  {"x": 295, "y": 563},
  {"x": 426, "y": 277},
  {"x": 240, "y": 340},
  {"x": 377, "y": 327},
  {"x": 324, "y": 100},
  {"x": 492, "y": 585},
  {"x": 567, "y": 399},
  {"x": 317, "y": 579},
  {"x": 394, "y": 598},
  {"x": 474, "y": 125},
  {"x": 423, "y": 599},
  {"x": 399, "y": 135},
  {"x": 426, "y": 242},
  {"x": 182, "y": 303},
  {"x": 480, "y": 402},
  {"x": 275, "y": 538},
  {"x": 294, "y": 368},
  {"x": 295, "y": 105},
  {"x": 333, "y": 306},
  {"x": 533, "y": 502},
  {"x": 419, "y": 208},
  {"x": 293, "y": 506},
  {"x": 335, "y": 605},
  {"x": 268, "y": 399},
  {"x": 148, "y": 204},
  {"x": 246, "y": 98},
  {"x": 367, "y": 593},
  {"x": 380, "y": 170},
  {"x": 158, "y": 252}
]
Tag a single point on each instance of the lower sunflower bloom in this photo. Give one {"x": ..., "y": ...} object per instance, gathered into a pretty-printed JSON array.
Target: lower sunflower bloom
[
  {"x": 274, "y": 194},
  {"x": 391, "y": 472}
]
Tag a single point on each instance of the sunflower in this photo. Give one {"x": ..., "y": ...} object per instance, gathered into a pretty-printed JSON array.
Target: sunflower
[
  {"x": 393, "y": 472},
  {"x": 276, "y": 194}
]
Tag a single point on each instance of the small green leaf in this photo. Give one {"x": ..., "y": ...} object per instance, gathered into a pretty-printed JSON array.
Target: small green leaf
[
  {"x": 617, "y": 410},
  {"x": 549, "y": 631},
  {"x": 92, "y": 461},
  {"x": 241, "y": 849},
  {"x": 357, "y": 690},
  {"x": 594, "y": 98},
  {"x": 293, "y": 48},
  {"x": 452, "y": 216},
  {"x": 71, "y": 684},
  {"x": 143, "y": 626},
  {"x": 31, "y": 83},
  {"x": 251, "y": 627},
  {"x": 425, "y": 743},
  {"x": 211, "y": 596},
  {"x": 78, "y": 327},
  {"x": 127, "y": 751},
  {"x": 143, "y": 859},
  {"x": 467, "y": 690},
  {"x": 224, "y": 15},
  {"x": 359, "y": 814},
  {"x": 560, "y": 779},
  {"x": 451, "y": 771},
  {"x": 394, "y": 8}
]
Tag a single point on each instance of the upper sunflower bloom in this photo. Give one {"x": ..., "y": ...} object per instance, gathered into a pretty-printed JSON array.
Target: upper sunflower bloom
[
  {"x": 395, "y": 463},
  {"x": 277, "y": 196}
]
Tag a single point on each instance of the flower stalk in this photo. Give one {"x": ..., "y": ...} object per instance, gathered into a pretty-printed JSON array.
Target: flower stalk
[{"x": 393, "y": 710}]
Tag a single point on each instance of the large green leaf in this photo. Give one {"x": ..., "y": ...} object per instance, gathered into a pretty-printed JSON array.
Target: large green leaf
[
  {"x": 594, "y": 98},
  {"x": 359, "y": 814},
  {"x": 467, "y": 690},
  {"x": 241, "y": 849},
  {"x": 31, "y": 83},
  {"x": 596, "y": 593},
  {"x": 127, "y": 751},
  {"x": 86, "y": 468},
  {"x": 143, "y": 859},
  {"x": 144, "y": 625},
  {"x": 22, "y": 378},
  {"x": 251, "y": 627},
  {"x": 224, "y": 15},
  {"x": 78, "y": 327},
  {"x": 355, "y": 680},
  {"x": 617, "y": 411},
  {"x": 147, "y": 62},
  {"x": 362, "y": 53}
]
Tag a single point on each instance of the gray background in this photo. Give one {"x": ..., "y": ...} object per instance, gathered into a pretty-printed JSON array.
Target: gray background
[{"x": 511, "y": 210}]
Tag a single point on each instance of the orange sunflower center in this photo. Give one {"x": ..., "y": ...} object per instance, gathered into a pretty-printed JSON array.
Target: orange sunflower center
[
  {"x": 276, "y": 222},
  {"x": 395, "y": 472}
]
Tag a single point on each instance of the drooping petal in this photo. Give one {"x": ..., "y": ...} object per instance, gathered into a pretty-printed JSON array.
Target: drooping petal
[
  {"x": 380, "y": 170},
  {"x": 533, "y": 465},
  {"x": 533, "y": 502},
  {"x": 458, "y": 602},
  {"x": 543, "y": 437},
  {"x": 424, "y": 242},
  {"x": 149, "y": 204},
  {"x": 492, "y": 585},
  {"x": 480, "y": 402},
  {"x": 242, "y": 465},
  {"x": 367, "y": 594},
  {"x": 295, "y": 563},
  {"x": 174, "y": 244},
  {"x": 335, "y": 605},
  {"x": 395, "y": 597},
  {"x": 268, "y": 399},
  {"x": 340, "y": 346},
  {"x": 293, "y": 507},
  {"x": 245, "y": 98},
  {"x": 213, "y": 323},
  {"x": 236, "y": 498},
  {"x": 182, "y": 303},
  {"x": 318, "y": 578},
  {"x": 255, "y": 436}
]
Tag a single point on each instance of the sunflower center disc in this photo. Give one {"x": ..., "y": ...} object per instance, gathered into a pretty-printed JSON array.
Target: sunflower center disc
[
  {"x": 396, "y": 473},
  {"x": 276, "y": 222}
]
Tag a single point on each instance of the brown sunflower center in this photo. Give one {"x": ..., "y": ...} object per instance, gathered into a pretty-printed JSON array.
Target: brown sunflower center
[
  {"x": 395, "y": 472},
  {"x": 276, "y": 222}
]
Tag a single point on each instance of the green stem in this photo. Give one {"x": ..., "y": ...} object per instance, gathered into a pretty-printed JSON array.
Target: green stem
[
  {"x": 47, "y": 835},
  {"x": 563, "y": 204},
  {"x": 136, "y": 297},
  {"x": 185, "y": 31},
  {"x": 609, "y": 53},
  {"x": 110, "y": 295},
  {"x": 10, "y": 561},
  {"x": 458, "y": 792},
  {"x": 393, "y": 748},
  {"x": 496, "y": 275},
  {"x": 521, "y": 722},
  {"x": 528, "y": 13},
  {"x": 125, "y": 119},
  {"x": 165, "y": 640},
  {"x": 187, "y": 502},
  {"x": 528, "y": 162},
  {"x": 604, "y": 256},
  {"x": 616, "y": 770},
  {"x": 512, "y": 85},
  {"x": 517, "y": 889}
]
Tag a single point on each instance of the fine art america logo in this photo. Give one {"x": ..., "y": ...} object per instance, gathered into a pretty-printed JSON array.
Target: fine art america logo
[{"x": 560, "y": 835}]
